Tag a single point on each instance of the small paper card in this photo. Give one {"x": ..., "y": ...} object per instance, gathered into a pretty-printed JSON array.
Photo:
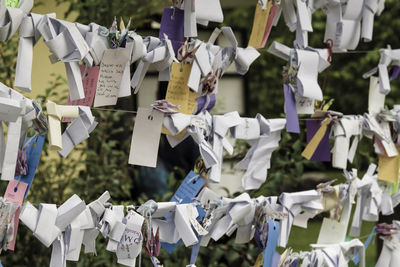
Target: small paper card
[
  {"x": 146, "y": 137},
  {"x": 388, "y": 169},
  {"x": 172, "y": 22},
  {"x": 315, "y": 141},
  {"x": 112, "y": 68},
  {"x": 273, "y": 236},
  {"x": 15, "y": 193},
  {"x": 322, "y": 153},
  {"x": 178, "y": 93},
  {"x": 331, "y": 232}
]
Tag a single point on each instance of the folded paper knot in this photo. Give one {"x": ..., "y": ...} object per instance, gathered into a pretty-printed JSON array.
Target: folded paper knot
[
  {"x": 148, "y": 208},
  {"x": 11, "y": 17}
]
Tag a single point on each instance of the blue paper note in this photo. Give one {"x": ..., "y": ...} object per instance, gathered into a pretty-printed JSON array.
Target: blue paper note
[
  {"x": 188, "y": 189},
  {"x": 366, "y": 244},
  {"x": 33, "y": 151},
  {"x": 273, "y": 235}
]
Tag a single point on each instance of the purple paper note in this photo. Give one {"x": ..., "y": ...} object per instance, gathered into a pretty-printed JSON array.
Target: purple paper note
[
  {"x": 292, "y": 120},
  {"x": 172, "y": 25},
  {"x": 322, "y": 153},
  {"x": 395, "y": 73}
]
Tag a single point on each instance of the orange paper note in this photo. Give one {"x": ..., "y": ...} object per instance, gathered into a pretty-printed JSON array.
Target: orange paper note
[
  {"x": 178, "y": 93},
  {"x": 259, "y": 25},
  {"x": 388, "y": 169}
]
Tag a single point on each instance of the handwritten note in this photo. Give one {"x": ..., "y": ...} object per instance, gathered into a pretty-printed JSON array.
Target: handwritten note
[
  {"x": 178, "y": 93},
  {"x": 304, "y": 105},
  {"x": 89, "y": 86},
  {"x": 112, "y": 68},
  {"x": 259, "y": 25}
]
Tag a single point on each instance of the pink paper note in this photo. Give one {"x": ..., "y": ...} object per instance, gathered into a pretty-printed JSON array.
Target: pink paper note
[
  {"x": 89, "y": 86},
  {"x": 15, "y": 193}
]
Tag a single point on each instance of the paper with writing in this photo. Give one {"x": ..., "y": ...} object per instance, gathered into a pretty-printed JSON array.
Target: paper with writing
[
  {"x": 146, "y": 137},
  {"x": 189, "y": 187},
  {"x": 89, "y": 85},
  {"x": 388, "y": 169},
  {"x": 304, "y": 105},
  {"x": 328, "y": 233},
  {"x": 15, "y": 193},
  {"x": 178, "y": 93},
  {"x": 112, "y": 68},
  {"x": 172, "y": 22}
]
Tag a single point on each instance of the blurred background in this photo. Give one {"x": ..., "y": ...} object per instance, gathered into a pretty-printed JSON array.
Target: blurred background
[{"x": 100, "y": 163}]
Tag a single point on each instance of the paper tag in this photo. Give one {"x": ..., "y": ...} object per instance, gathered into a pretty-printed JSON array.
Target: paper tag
[
  {"x": 146, "y": 137},
  {"x": 131, "y": 242},
  {"x": 15, "y": 193},
  {"x": 388, "y": 169},
  {"x": 33, "y": 152},
  {"x": 172, "y": 22},
  {"x": 112, "y": 68},
  {"x": 309, "y": 151},
  {"x": 331, "y": 232},
  {"x": 273, "y": 236},
  {"x": 259, "y": 25},
  {"x": 292, "y": 120},
  {"x": 189, "y": 187},
  {"x": 178, "y": 93},
  {"x": 89, "y": 86},
  {"x": 322, "y": 152},
  {"x": 376, "y": 100}
]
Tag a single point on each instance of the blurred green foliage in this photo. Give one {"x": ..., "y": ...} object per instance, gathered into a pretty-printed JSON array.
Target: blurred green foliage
[{"x": 100, "y": 163}]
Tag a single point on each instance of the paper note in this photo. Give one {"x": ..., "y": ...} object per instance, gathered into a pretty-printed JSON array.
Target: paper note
[
  {"x": 388, "y": 169},
  {"x": 322, "y": 152},
  {"x": 304, "y": 105},
  {"x": 331, "y": 232},
  {"x": 307, "y": 75},
  {"x": 273, "y": 235},
  {"x": 12, "y": 3},
  {"x": 316, "y": 140},
  {"x": 89, "y": 85},
  {"x": 112, "y": 68},
  {"x": 146, "y": 137},
  {"x": 172, "y": 22},
  {"x": 271, "y": 18},
  {"x": 292, "y": 120},
  {"x": 178, "y": 93},
  {"x": 376, "y": 100},
  {"x": 189, "y": 187},
  {"x": 15, "y": 193},
  {"x": 259, "y": 25},
  {"x": 33, "y": 151}
]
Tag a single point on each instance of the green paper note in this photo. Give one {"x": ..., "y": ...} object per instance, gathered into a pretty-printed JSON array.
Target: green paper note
[{"x": 12, "y": 3}]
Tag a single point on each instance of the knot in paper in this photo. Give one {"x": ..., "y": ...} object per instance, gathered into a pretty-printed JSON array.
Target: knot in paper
[{"x": 149, "y": 208}]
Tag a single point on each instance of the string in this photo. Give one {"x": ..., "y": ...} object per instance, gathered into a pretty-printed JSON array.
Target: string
[{"x": 115, "y": 110}]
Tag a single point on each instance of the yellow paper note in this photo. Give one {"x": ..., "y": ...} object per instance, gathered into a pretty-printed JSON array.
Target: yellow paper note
[
  {"x": 259, "y": 25},
  {"x": 259, "y": 260},
  {"x": 312, "y": 146},
  {"x": 178, "y": 93},
  {"x": 388, "y": 169}
]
